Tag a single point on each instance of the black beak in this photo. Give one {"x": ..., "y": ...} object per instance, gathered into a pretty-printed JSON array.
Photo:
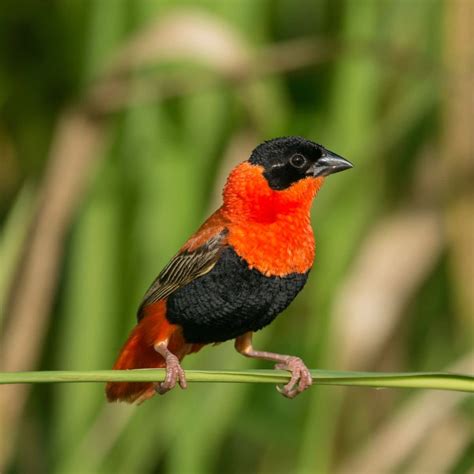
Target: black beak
[{"x": 329, "y": 163}]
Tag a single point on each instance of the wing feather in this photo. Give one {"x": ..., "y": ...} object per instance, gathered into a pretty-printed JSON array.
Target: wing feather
[{"x": 184, "y": 267}]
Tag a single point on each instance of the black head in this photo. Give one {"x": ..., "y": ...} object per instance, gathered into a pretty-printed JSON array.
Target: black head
[{"x": 286, "y": 160}]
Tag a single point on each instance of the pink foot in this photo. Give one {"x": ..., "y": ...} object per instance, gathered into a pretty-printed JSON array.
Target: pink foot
[
  {"x": 300, "y": 377},
  {"x": 174, "y": 374}
]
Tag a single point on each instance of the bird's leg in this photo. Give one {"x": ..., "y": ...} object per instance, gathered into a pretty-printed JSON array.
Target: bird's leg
[
  {"x": 300, "y": 375},
  {"x": 174, "y": 371}
]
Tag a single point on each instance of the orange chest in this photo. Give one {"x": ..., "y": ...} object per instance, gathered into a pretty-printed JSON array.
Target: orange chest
[{"x": 275, "y": 249}]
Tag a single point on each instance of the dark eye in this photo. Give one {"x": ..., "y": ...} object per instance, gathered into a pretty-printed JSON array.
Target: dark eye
[{"x": 298, "y": 161}]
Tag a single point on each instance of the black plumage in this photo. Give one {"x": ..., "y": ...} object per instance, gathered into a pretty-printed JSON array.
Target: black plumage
[{"x": 230, "y": 300}]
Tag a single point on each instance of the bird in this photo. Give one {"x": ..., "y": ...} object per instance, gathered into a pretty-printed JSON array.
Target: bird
[{"x": 237, "y": 273}]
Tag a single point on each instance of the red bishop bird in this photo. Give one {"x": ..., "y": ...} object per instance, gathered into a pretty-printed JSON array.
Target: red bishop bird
[{"x": 241, "y": 269}]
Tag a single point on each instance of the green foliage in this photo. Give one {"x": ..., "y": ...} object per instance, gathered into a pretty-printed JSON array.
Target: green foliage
[{"x": 365, "y": 80}]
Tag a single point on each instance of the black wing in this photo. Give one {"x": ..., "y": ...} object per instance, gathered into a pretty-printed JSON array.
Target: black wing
[{"x": 183, "y": 268}]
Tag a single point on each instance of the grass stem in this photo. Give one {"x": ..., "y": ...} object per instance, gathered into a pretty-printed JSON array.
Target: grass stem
[{"x": 422, "y": 380}]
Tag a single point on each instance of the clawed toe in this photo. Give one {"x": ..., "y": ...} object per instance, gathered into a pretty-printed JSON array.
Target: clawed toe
[
  {"x": 300, "y": 377},
  {"x": 174, "y": 374}
]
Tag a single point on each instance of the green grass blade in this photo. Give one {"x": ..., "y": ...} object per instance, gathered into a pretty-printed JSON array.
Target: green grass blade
[
  {"x": 12, "y": 236},
  {"x": 423, "y": 380}
]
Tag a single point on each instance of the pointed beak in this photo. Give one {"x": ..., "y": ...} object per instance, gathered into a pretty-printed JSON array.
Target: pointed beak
[{"x": 329, "y": 163}]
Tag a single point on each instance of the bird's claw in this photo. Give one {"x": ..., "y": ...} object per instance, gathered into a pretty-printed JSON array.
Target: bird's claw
[
  {"x": 174, "y": 374},
  {"x": 300, "y": 377}
]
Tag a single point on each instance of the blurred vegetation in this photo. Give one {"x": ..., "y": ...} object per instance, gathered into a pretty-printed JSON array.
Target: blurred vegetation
[{"x": 119, "y": 121}]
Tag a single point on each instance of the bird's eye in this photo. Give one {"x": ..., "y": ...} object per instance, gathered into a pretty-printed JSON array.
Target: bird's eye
[{"x": 298, "y": 161}]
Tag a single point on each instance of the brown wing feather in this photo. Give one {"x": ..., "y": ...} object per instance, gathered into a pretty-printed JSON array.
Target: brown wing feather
[{"x": 188, "y": 264}]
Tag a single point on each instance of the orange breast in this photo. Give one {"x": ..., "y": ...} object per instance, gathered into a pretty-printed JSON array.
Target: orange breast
[
  {"x": 270, "y": 229},
  {"x": 276, "y": 249}
]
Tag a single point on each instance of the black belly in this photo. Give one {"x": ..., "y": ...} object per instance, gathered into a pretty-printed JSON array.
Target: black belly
[{"x": 231, "y": 300}]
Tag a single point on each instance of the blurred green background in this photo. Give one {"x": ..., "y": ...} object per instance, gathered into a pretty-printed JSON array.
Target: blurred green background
[{"x": 119, "y": 121}]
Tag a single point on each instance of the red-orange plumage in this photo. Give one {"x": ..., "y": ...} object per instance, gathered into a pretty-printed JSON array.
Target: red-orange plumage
[
  {"x": 138, "y": 353},
  {"x": 270, "y": 229},
  {"x": 213, "y": 225}
]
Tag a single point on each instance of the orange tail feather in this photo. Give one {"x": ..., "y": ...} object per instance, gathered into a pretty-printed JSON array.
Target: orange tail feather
[{"x": 138, "y": 353}]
